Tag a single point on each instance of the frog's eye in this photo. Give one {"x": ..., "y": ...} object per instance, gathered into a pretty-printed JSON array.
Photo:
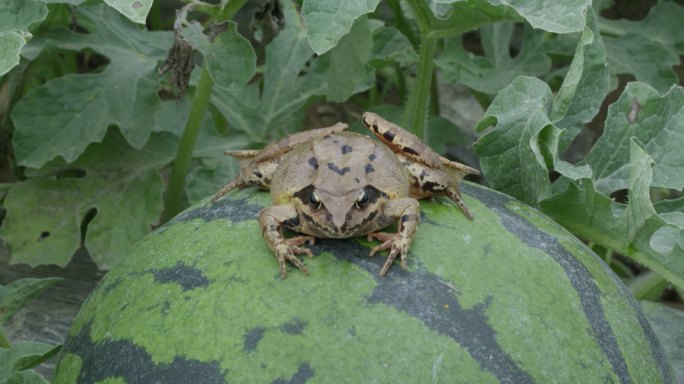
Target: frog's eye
[
  {"x": 362, "y": 199},
  {"x": 314, "y": 200}
]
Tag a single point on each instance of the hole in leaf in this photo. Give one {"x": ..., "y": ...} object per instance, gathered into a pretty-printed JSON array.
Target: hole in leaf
[
  {"x": 620, "y": 196},
  {"x": 89, "y": 216},
  {"x": 73, "y": 173}
]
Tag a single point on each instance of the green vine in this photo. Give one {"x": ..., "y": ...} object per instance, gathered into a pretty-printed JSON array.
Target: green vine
[{"x": 173, "y": 199}]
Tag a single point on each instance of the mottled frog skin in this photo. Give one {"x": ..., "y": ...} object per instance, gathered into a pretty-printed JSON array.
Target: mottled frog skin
[{"x": 330, "y": 183}]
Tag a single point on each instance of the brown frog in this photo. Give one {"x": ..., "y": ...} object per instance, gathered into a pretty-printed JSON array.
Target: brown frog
[{"x": 330, "y": 183}]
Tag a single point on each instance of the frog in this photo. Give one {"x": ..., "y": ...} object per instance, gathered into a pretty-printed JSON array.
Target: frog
[{"x": 333, "y": 183}]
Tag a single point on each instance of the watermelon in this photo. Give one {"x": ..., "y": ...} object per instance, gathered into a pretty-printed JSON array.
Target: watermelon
[{"x": 510, "y": 297}]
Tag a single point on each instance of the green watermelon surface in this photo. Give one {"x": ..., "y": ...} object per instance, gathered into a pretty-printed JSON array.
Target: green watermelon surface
[{"x": 510, "y": 297}]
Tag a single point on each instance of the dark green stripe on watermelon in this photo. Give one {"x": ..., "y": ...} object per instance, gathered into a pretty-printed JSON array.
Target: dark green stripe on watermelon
[
  {"x": 234, "y": 210},
  {"x": 303, "y": 374},
  {"x": 424, "y": 296},
  {"x": 580, "y": 278},
  {"x": 123, "y": 359},
  {"x": 184, "y": 275}
]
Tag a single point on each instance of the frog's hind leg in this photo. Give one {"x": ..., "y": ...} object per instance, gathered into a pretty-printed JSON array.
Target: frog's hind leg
[
  {"x": 445, "y": 180},
  {"x": 401, "y": 141},
  {"x": 288, "y": 142},
  {"x": 257, "y": 166},
  {"x": 431, "y": 174}
]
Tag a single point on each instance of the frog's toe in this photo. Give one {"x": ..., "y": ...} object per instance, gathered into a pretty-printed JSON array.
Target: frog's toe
[
  {"x": 397, "y": 245},
  {"x": 287, "y": 252}
]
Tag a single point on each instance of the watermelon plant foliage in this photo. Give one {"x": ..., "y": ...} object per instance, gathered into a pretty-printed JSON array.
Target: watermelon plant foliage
[
  {"x": 17, "y": 359},
  {"x": 93, "y": 126}
]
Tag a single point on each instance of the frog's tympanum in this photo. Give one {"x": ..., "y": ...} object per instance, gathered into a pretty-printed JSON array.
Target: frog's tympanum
[{"x": 330, "y": 183}]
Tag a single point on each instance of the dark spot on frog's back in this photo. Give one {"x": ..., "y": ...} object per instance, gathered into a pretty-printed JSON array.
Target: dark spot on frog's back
[
  {"x": 337, "y": 170},
  {"x": 372, "y": 157},
  {"x": 313, "y": 162},
  {"x": 346, "y": 149},
  {"x": 369, "y": 168}
]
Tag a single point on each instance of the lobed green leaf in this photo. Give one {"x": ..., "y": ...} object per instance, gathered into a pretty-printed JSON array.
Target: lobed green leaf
[
  {"x": 16, "y": 16},
  {"x": 657, "y": 122},
  {"x": 662, "y": 25},
  {"x": 229, "y": 57},
  {"x": 391, "y": 45},
  {"x": 135, "y": 10},
  {"x": 63, "y": 116},
  {"x": 121, "y": 185},
  {"x": 553, "y": 16},
  {"x": 646, "y": 60},
  {"x": 349, "y": 72},
  {"x": 327, "y": 21},
  {"x": 259, "y": 113},
  {"x": 585, "y": 85},
  {"x": 496, "y": 69}
]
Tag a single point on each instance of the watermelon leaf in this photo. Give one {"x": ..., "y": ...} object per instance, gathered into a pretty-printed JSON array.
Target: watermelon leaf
[
  {"x": 260, "y": 112},
  {"x": 21, "y": 356},
  {"x": 136, "y": 11},
  {"x": 229, "y": 57},
  {"x": 120, "y": 184},
  {"x": 549, "y": 15},
  {"x": 19, "y": 292},
  {"x": 327, "y": 21},
  {"x": 16, "y": 16},
  {"x": 46, "y": 128},
  {"x": 497, "y": 68},
  {"x": 638, "y": 151}
]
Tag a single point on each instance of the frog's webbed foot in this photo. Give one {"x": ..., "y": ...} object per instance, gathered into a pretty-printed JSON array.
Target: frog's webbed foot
[
  {"x": 287, "y": 251},
  {"x": 407, "y": 212},
  {"x": 396, "y": 243},
  {"x": 272, "y": 219}
]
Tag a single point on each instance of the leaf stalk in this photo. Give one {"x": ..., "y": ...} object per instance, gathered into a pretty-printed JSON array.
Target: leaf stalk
[{"x": 173, "y": 198}]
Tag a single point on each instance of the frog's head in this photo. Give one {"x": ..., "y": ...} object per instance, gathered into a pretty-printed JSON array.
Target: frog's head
[{"x": 337, "y": 214}]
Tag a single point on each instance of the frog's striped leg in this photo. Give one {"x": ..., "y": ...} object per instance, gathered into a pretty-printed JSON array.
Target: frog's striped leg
[
  {"x": 431, "y": 174},
  {"x": 407, "y": 212},
  {"x": 428, "y": 182}
]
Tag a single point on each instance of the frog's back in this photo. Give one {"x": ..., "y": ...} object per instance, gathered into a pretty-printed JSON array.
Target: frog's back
[{"x": 350, "y": 161}]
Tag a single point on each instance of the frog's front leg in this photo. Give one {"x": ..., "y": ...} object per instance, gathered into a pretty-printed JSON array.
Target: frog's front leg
[
  {"x": 251, "y": 172},
  {"x": 272, "y": 220},
  {"x": 407, "y": 212}
]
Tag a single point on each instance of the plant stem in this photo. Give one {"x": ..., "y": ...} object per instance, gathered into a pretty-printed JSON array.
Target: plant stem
[
  {"x": 417, "y": 108},
  {"x": 434, "y": 95},
  {"x": 174, "y": 192},
  {"x": 4, "y": 343}
]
